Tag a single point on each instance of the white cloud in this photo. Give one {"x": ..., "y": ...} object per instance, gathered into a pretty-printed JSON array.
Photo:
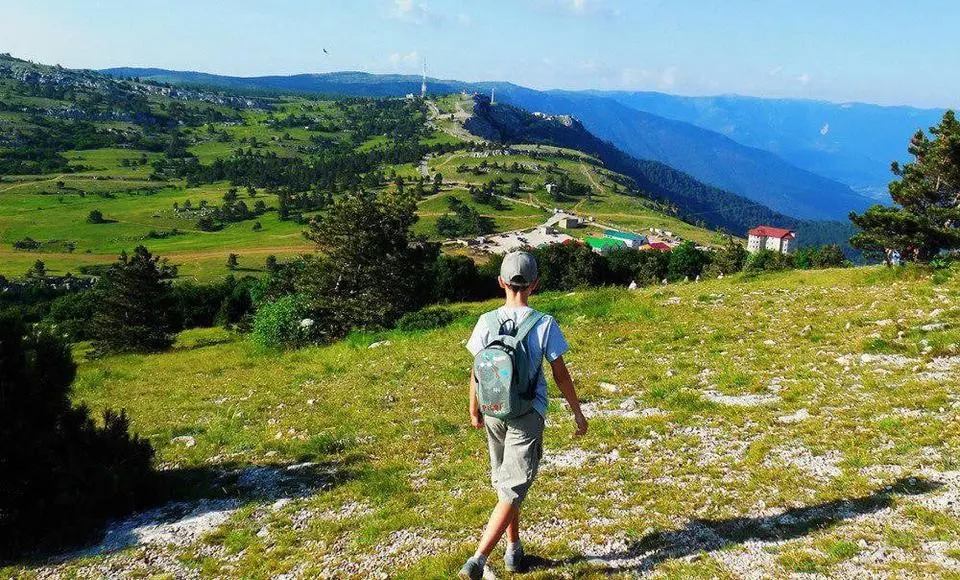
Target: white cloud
[
  {"x": 668, "y": 78},
  {"x": 804, "y": 78},
  {"x": 634, "y": 77},
  {"x": 645, "y": 79},
  {"x": 579, "y": 8},
  {"x": 413, "y": 12},
  {"x": 775, "y": 71},
  {"x": 404, "y": 61}
]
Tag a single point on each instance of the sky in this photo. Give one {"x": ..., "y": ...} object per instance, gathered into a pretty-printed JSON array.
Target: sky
[{"x": 877, "y": 51}]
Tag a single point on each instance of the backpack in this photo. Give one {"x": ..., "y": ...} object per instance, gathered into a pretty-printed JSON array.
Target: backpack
[{"x": 502, "y": 369}]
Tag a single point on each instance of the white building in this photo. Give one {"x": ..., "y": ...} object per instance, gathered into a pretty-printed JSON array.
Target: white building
[
  {"x": 770, "y": 238},
  {"x": 571, "y": 222}
]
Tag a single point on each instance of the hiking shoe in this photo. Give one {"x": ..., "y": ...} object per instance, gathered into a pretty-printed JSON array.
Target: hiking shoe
[
  {"x": 472, "y": 570},
  {"x": 513, "y": 559}
]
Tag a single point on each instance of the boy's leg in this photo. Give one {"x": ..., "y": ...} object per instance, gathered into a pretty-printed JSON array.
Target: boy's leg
[
  {"x": 513, "y": 529},
  {"x": 522, "y": 447},
  {"x": 501, "y": 517}
]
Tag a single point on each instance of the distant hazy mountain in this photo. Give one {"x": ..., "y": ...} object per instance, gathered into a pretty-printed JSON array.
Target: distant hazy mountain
[
  {"x": 708, "y": 156},
  {"x": 853, "y": 143},
  {"x": 340, "y": 83}
]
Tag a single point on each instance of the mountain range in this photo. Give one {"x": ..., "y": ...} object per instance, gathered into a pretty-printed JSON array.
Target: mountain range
[
  {"x": 760, "y": 149},
  {"x": 853, "y": 143}
]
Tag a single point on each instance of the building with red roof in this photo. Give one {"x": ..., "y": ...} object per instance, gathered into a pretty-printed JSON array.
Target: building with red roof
[
  {"x": 658, "y": 246},
  {"x": 770, "y": 238}
]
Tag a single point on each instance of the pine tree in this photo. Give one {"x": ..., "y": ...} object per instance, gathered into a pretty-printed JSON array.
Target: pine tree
[
  {"x": 927, "y": 192},
  {"x": 375, "y": 268},
  {"x": 134, "y": 297}
]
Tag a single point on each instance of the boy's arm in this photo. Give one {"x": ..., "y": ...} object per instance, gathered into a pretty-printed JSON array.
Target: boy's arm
[
  {"x": 476, "y": 419},
  {"x": 561, "y": 376}
]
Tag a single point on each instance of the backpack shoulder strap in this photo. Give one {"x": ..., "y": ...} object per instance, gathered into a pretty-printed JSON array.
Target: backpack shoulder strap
[
  {"x": 527, "y": 325},
  {"x": 492, "y": 320}
]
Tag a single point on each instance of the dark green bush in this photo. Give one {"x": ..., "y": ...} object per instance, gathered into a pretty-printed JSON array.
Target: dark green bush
[
  {"x": 286, "y": 323},
  {"x": 70, "y": 315},
  {"x": 62, "y": 477},
  {"x": 456, "y": 280},
  {"x": 568, "y": 266},
  {"x": 768, "y": 261},
  {"x": 426, "y": 319}
]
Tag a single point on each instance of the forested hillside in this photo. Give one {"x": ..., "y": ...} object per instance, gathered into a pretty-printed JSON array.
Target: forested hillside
[{"x": 693, "y": 200}]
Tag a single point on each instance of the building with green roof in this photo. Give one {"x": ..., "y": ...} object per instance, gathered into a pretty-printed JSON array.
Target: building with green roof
[
  {"x": 604, "y": 245},
  {"x": 630, "y": 240}
]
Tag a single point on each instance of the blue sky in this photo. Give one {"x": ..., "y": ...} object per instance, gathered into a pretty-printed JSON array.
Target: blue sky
[{"x": 866, "y": 50}]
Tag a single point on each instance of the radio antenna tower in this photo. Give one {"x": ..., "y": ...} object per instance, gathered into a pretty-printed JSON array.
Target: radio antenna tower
[
  {"x": 493, "y": 94},
  {"x": 423, "y": 85}
]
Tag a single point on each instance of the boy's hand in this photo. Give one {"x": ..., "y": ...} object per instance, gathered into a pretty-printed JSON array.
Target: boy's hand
[
  {"x": 476, "y": 421},
  {"x": 581, "y": 425}
]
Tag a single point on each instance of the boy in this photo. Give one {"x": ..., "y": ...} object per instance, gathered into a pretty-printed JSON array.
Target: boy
[{"x": 516, "y": 445}]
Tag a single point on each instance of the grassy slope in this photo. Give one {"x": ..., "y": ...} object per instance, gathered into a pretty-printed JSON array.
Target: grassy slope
[
  {"x": 607, "y": 207},
  {"x": 394, "y": 419}
]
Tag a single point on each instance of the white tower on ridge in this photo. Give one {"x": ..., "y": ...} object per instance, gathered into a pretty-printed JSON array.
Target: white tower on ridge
[
  {"x": 493, "y": 93},
  {"x": 423, "y": 85}
]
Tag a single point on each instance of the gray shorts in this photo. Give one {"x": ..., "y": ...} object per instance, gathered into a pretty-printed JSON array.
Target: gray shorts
[{"x": 516, "y": 447}]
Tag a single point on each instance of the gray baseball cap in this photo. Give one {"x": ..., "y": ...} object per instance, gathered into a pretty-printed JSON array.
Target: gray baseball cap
[{"x": 519, "y": 269}]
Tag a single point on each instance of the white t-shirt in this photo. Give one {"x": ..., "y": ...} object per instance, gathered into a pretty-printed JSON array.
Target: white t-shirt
[{"x": 545, "y": 341}]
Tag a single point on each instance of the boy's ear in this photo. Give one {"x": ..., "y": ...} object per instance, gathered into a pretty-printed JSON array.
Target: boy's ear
[{"x": 501, "y": 282}]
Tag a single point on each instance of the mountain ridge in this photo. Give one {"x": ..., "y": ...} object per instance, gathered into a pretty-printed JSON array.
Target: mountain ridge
[
  {"x": 696, "y": 201},
  {"x": 852, "y": 142},
  {"x": 707, "y": 156}
]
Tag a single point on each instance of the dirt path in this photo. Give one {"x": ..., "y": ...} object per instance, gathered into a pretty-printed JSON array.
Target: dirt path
[
  {"x": 73, "y": 177},
  {"x": 456, "y": 129},
  {"x": 199, "y": 255},
  {"x": 30, "y": 182},
  {"x": 520, "y": 201},
  {"x": 593, "y": 182},
  {"x": 173, "y": 256}
]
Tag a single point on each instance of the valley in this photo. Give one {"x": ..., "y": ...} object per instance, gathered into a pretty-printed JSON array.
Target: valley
[{"x": 143, "y": 206}]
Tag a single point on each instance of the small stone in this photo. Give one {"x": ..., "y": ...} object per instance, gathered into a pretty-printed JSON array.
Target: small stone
[
  {"x": 380, "y": 343},
  {"x": 609, "y": 387},
  {"x": 186, "y": 440},
  {"x": 800, "y": 415}
]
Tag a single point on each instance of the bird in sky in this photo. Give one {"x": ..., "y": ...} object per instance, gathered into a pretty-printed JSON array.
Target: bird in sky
[{"x": 325, "y": 51}]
